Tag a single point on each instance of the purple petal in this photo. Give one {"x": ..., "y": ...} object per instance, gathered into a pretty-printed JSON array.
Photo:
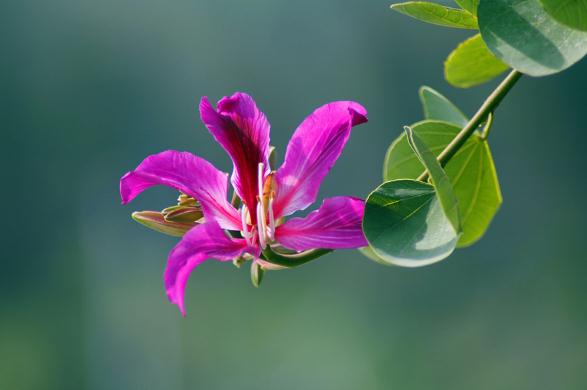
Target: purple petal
[
  {"x": 243, "y": 131},
  {"x": 312, "y": 151},
  {"x": 206, "y": 241},
  {"x": 189, "y": 174},
  {"x": 335, "y": 225}
]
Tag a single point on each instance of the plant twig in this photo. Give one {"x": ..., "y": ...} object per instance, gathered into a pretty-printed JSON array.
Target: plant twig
[{"x": 487, "y": 108}]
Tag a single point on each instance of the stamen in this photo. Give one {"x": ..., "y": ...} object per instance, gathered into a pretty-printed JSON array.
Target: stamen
[
  {"x": 271, "y": 231},
  {"x": 261, "y": 225},
  {"x": 244, "y": 218},
  {"x": 260, "y": 180},
  {"x": 261, "y": 221}
]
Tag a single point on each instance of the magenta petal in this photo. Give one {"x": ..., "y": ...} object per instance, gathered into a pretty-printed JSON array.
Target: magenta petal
[
  {"x": 243, "y": 131},
  {"x": 335, "y": 225},
  {"x": 206, "y": 241},
  {"x": 189, "y": 174},
  {"x": 312, "y": 151}
]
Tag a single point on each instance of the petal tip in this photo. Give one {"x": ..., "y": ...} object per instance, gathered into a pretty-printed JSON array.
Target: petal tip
[
  {"x": 177, "y": 302},
  {"x": 205, "y": 107},
  {"x": 125, "y": 191},
  {"x": 238, "y": 101},
  {"x": 182, "y": 309},
  {"x": 358, "y": 113}
]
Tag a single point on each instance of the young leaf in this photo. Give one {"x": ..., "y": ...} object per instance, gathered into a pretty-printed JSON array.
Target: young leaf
[
  {"x": 405, "y": 225},
  {"x": 523, "y": 35},
  {"x": 442, "y": 184},
  {"x": 572, "y": 13},
  {"x": 437, "y": 14},
  {"x": 440, "y": 108},
  {"x": 471, "y": 172},
  {"x": 471, "y": 63},
  {"x": 468, "y": 5}
]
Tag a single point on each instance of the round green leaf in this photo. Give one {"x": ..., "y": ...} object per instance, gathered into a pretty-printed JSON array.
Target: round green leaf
[
  {"x": 440, "y": 108},
  {"x": 471, "y": 171},
  {"x": 369, "y": 253},
  {"x": 471, "y": 63},
  {"x": 405, "y": 225},
  {"x": 572, "y": 13},
  {"x": 437, "y": 14},
  {"x": 523, "y": 35}
]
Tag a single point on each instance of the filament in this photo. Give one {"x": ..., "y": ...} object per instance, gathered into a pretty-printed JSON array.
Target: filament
[{"x": 245, "y": 231}]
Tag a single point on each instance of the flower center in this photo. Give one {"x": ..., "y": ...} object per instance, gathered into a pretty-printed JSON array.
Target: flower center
[{"x": 264, "y": 231}]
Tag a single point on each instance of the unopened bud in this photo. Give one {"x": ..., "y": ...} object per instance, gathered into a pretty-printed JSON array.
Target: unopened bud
[
  {"x": 184, "y": 214},
  {"x": 156, "y": 221},
  {"x": 185, "y": 200},
  {"x": 257, "y": 273},
  {"x": 272, "y": 157}
]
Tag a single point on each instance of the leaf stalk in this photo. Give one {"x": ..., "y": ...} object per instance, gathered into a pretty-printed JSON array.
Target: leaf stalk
[{"x": 486, "y": 109}]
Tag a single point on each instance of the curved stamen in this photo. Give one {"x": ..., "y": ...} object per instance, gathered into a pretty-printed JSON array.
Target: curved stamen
[
  {"x": 271, "y": 232},
  {"x": 261, "y": 218},
  {"x": 244, "y": 218},
  {"x": 260, "y": 181},
  {"x": 261, "y": 226}
]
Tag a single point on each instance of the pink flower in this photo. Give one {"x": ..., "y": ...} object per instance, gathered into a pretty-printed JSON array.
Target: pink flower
[{"x": 267, "y": 196}]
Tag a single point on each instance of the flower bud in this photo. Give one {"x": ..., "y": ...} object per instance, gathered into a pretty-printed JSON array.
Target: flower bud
[
  {"x": 257, "y": 273},
  {"x": 184, "y": 214},
  {"x": 272, "y": 157},
  {"x": 156, "y": 221},
  {"x": 185, "y": 200}
]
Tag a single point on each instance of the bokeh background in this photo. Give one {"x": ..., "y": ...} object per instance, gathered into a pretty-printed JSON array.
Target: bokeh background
[{"x": 89, "y": 88}]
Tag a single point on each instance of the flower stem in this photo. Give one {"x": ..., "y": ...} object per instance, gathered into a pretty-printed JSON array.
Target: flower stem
[
  {"x": 295, "y": 259},
  {"x": 488, "y": 106}
]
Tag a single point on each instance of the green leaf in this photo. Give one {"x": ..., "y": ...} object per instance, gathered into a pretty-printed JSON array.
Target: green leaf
[
  {"x": 437, "y": 14},
  {"x": 523, "y": 35},
  {"x": 440, "y": 108},
  {"x": 469, "y": 5},
  {"x": 442, "y": 184},
  {"x": 405, "y": 225},
  {"x": 471, "y": 172},
  {"x": 368, "y": 252},
  {"x": 471, "y": 63},
  {"x": 572, "y": 13}
]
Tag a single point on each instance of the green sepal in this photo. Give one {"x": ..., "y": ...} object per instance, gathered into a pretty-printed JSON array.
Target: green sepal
[{"x": 291, "y": 260}]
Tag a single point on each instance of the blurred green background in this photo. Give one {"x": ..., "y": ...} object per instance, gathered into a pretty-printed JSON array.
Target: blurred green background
[{"x": 89, "y": 88}]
